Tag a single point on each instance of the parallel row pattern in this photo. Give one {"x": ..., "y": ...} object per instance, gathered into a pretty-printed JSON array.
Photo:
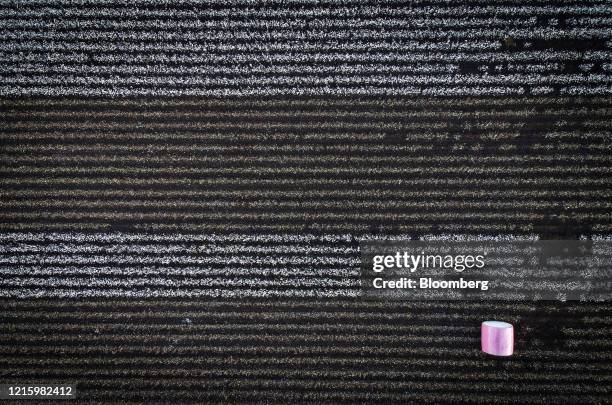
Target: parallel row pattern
[
  {"x": 70, "y": 265},
  {"x": 89, "y": 189},
  {"x": 307, "y": 351},
  {"x": 237, "y": 266},
  {"x": 178, "y": 265},
  {"x": 292, "y": 165},
  {"x": 305, "y": 47}
]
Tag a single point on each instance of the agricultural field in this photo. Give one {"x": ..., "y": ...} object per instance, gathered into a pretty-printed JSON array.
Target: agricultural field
[{"x": 184, "y": 187}]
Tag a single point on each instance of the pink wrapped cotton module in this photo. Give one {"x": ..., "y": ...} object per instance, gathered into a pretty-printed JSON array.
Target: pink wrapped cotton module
[{"x": 497, "y": 338}]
